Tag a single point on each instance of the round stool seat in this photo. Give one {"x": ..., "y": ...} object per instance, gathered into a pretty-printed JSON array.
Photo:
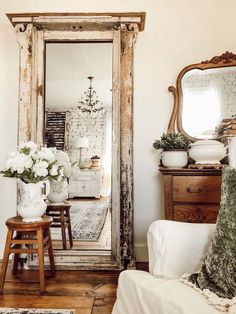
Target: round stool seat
[{"x": 16, "y": 223}]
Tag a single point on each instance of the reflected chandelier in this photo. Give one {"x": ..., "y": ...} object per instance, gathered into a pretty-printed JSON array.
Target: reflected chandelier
[{"x": 90, "y": 105}]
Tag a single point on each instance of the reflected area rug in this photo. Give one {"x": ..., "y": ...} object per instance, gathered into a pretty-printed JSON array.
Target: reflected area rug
[
  {"x": 87, "y": 220},
  {"x": 34, "y": 311}
]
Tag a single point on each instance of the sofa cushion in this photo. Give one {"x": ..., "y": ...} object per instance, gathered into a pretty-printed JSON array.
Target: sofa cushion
[
  {"x": 218, "y": 271},
  {"x": 176, "y": 247},
  {"x": 141, "y": 293}
]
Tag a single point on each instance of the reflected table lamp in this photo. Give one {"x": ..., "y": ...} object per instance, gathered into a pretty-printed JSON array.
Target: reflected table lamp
[{"x": 80, "y": 143}]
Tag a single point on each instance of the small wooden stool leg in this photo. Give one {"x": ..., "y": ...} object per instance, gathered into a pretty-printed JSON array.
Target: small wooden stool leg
[
  {"x": 50, "y": 252},
  {"x": 15, "y": 263},
  {"x": 63, "y": 229},
  {"x": 5, "y": 259},
  {"x": 69, "y": 227},
  {"x": 41, "y": 260},
  {"x": 16, "y": 258}
]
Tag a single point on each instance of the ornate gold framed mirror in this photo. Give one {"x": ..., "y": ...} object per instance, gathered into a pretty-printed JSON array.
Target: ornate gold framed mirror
[
  {"x": 54, "y": 48},
  {"x": 204, "y": 97}
]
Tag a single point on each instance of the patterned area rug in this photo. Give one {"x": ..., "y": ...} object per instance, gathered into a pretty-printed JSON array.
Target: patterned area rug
[
  {"x": 34, "y": 311},
  {"x": 87, "y": 220}
]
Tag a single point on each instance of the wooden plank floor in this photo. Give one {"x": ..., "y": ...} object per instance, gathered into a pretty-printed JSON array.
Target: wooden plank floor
[{"x": 88, "y": 292}]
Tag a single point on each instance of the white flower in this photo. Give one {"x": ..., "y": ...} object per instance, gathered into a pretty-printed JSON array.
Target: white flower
[
  {"x": 18, "y": 162},
  {"x": 28, "y": 162},
  {"x": 62, "y": 157},
  {"x": 67, "y": 170},
  {"x": 53, "y": 149},
  {"x": 34, "y": 155},
  {"x": 31, "y": 145},
  {"x": 54, "y": 170},
  {"x": 40, "y": 168},
  {"x": 64, "y": 161},
  {"x": 46, "y": 154}
]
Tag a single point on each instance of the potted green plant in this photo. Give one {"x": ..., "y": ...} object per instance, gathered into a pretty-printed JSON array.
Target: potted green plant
[{"x": 174, "y": 147}]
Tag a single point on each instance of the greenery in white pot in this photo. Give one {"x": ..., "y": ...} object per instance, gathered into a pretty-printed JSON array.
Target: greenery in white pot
[
  {"x": 174, "y": 148},
  {"x": 173, "y": 141}
]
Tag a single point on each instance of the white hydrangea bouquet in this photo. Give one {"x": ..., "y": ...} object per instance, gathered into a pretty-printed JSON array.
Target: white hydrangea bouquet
[
  {"x": 63, "y": 162},
  {"x": 59, "y": 186},
  {"x": 32, "y": 164}
]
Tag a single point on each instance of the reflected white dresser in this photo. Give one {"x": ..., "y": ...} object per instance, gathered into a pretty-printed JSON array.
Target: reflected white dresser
[{"x": 85, "y": 183}]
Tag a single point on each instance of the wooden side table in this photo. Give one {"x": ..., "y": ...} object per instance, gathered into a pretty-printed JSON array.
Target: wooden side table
[
  {"x": 24, "y": 241},
  {"x": 60, "y": 214}
]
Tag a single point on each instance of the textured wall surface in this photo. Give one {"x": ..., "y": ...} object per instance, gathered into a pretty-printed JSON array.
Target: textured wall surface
[{"x": 78, "y": 125}]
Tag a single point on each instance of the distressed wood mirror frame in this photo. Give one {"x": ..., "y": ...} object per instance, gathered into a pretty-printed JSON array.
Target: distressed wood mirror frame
[
  {"x": 227, "y": 59},
  {"x": 33, "y": 31}
]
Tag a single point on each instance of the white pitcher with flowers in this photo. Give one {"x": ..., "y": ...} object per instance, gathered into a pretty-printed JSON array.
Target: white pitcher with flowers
[
  {"x": 32, "y": 166},
  {"x": 59, "y": 186}
]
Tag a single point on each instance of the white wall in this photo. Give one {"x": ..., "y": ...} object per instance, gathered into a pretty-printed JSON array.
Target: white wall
[{"x": 177, "y": 33}]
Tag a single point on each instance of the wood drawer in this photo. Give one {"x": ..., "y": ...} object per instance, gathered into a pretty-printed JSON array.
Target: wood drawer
[
  {"x": 197, "y": 189},
  {"x": 196, "y": 213}
]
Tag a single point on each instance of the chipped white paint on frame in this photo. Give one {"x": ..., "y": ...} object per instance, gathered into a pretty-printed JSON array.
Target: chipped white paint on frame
[
  {"x": 24, "y": 38},
  {"x": 32, "y": 39}
]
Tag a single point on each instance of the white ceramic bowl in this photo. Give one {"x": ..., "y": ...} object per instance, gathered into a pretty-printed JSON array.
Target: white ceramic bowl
[{"x": 207, "y": 152}]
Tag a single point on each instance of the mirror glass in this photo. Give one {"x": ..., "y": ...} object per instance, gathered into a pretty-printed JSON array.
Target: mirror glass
[
  {"x": 78, "y": 120},
  {"x": 209, "y": 96}
]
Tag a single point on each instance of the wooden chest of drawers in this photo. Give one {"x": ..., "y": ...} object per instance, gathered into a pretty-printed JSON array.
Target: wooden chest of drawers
[{"x": 192, "y": 195}]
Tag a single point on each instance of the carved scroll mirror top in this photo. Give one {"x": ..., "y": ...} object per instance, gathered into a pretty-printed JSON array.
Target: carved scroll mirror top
[{"x": 204, "y": 97}]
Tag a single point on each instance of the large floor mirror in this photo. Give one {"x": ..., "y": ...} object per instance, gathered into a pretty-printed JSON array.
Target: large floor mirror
[
  {"x": 78, "y": 120},
  {"x": 76, "y": 94}
]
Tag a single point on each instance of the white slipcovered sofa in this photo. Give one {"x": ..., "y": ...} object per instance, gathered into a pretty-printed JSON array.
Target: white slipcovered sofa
[{"x": 174, "y": 248}]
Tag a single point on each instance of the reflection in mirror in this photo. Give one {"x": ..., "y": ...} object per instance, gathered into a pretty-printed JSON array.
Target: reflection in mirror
[
  {"x": 78, "y": 119},
  {"x": 209, "y": 96}
]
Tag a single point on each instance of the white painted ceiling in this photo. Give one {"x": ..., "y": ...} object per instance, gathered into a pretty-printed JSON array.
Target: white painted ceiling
[{"x": 67, "y": 67}]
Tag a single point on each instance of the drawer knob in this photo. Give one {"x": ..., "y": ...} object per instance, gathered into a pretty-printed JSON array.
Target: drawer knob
[{"x": 194, "y": 190}]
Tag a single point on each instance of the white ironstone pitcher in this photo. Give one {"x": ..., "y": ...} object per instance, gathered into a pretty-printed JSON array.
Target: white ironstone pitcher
[{"x": 30, "y": 201}]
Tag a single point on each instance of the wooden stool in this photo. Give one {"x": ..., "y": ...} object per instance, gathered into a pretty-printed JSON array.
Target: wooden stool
[
  {"x": 60, "y": 214},
  {"x": 24, "y": 237}
]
